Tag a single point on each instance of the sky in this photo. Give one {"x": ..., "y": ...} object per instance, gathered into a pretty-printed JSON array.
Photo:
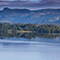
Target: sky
[{"x": 30, "y": 4}]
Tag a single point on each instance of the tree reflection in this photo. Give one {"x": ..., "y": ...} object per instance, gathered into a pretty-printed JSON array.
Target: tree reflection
[{"x": 27, "y": 35}]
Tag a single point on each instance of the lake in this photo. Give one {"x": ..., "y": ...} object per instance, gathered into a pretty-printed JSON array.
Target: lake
[{"x": 30, "y": 47}]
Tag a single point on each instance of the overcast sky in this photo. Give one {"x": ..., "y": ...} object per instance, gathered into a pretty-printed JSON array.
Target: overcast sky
[{"x": 30, "y": 4}]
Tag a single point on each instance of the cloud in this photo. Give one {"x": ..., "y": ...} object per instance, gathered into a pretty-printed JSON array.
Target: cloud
[
  {"x": 27, "y": 4},
  {"x": 22, "y": 0}
]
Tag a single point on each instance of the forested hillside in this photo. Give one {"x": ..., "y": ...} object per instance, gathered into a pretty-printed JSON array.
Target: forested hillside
[
  {"x": 29, "y": 28},
  {"x": 27, "y": 16}
]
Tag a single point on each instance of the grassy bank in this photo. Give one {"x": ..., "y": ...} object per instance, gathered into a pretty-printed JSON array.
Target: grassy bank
[
  {"x": 25, "y": 31},
  {"x": 10, "y": 31}
]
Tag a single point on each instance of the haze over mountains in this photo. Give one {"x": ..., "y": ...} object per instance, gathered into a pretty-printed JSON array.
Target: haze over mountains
[{"x": 27, "y": 16}]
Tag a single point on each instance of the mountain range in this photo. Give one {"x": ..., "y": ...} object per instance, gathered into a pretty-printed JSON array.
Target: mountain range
[{"x": 45, "y": 16}]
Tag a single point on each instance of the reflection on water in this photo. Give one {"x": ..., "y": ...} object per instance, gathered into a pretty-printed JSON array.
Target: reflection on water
[
  {"x": 51, "y": 38},
  {"x": 28, "y": 35},
  {"x": 30, "y": 47}
]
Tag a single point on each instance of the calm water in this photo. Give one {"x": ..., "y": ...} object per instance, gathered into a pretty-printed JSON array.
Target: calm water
[{"x": 32, "y": 48}]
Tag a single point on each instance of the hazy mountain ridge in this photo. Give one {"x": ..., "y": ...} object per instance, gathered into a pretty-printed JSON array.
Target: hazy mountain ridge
[{"x": 27, "y": 16}]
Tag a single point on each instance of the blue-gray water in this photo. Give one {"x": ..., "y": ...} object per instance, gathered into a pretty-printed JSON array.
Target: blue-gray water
[{"x": 37, "y": 48}]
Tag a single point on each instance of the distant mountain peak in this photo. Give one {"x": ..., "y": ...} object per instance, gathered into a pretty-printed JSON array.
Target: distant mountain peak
[{"x": 6, "y": 8}]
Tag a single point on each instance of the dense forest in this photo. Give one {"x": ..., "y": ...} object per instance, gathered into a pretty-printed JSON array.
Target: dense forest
[{"x": 28, "y": 28}]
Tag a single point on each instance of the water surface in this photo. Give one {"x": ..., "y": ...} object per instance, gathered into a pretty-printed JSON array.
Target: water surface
[{"x": 35, "y": 48}]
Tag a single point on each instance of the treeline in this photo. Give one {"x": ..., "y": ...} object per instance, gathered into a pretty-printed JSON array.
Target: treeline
[{"x": 5, "y": 28}]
